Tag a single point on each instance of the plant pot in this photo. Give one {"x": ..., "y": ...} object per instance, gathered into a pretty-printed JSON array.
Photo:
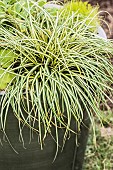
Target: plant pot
[{"x": 16, "y": 155}]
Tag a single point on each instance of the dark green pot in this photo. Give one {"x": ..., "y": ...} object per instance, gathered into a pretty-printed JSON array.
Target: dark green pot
[{"x": 31, "y": 157}]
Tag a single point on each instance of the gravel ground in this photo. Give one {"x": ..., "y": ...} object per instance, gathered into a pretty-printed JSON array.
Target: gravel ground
[{"x": 105, "y": 5}]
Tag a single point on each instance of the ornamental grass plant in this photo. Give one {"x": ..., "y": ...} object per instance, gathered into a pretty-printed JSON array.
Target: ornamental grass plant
[{"x": 53, "y": 65}]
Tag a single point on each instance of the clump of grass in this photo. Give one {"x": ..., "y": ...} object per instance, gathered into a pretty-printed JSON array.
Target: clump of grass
[
  {"x": 83, "y": 11},
  {"x": 62, "y": 68}
]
